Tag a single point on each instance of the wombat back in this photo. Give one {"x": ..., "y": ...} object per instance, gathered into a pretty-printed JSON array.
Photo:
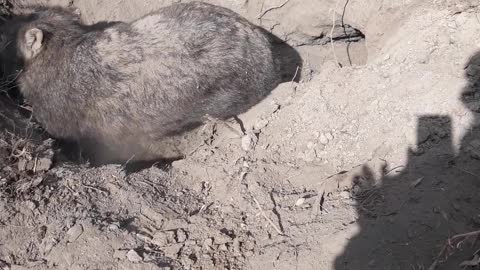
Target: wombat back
[{"x": 141, "y": 83}]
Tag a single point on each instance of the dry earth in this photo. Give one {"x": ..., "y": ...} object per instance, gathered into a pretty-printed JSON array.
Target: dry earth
[{"x": 371, "y": 161}]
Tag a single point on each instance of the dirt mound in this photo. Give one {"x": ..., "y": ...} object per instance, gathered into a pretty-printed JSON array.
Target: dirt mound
[{"x": 370, "y": 162}]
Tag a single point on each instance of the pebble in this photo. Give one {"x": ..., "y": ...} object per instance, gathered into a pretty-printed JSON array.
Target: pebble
[
  {"x": 300, "y": 201},
  {"x": 329, "y": 136},
  {"x": 207, "y": 244},
  {"x": 323, "y": 139},
  {"x": 310, "y": 145},
  {"x": 160, "y": 239},
  {"x": 260, "y": 124},
  {"x": 74, "y": 233},
  {"x": 133, "y": 256},
  {"x": 172, "y": 251},
  {"x": 345, "y": 194},
  {"x": 120, "y": 254},
  {"x": 43, "y": 164},
  {"x": 248, "y": 142},
  {"x": 181, "y": 236}
]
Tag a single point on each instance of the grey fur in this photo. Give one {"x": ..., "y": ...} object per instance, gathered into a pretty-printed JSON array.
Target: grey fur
[{"x": 124, "y": 87}]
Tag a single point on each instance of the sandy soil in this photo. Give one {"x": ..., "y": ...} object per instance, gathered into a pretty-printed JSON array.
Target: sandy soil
[{"x": 371, "y": 161}]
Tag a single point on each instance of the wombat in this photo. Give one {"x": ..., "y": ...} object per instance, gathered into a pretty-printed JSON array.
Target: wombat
[{"x": 122, "y": 89}]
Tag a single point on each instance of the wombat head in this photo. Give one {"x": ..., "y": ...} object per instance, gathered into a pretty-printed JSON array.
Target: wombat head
[{"x": 29, "y": 32}]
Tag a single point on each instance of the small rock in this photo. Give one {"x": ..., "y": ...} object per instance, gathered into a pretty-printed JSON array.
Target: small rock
[
  {"x": 310, "y": 145},
  {"x": 43, "y": 164},
  {"x": 345, "y": 194},
  {"x": 22, "y": 165},
  {"x": 329, "y": 136},
  {"x": 236, "y": 246},
  {"x": 114, "y": 226},
  {"x": 207, "y": 244},
  {"x": 181, "y": 236},
  {"x": 160, "y": 239},
  {"x": 120, "y": 254},
  {"x": 30, "y": 205},
  {"x": 249, "y": 141},
  {"x": 249, "y": 245},
  {"x": 249, "y": 253},
  {"x": 260, "y": 124},
  {"x": 222, "y": 239},
  {"x": 300, "y": 201},
  {"x": 133, "y": 256},
  {"x": 310, "y": 155},
  {"x": 190, "y": 243},
  {"x": 222, "y": 247},
  {"x": 74, "y": 233},
  {"x": 323, "y": 139},
  {"x": 172, "y": 250},
  {"x": 143, "y": 237}
]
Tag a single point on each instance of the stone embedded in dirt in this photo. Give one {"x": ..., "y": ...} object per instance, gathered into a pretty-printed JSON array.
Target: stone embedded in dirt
[
  {"x": 133, "y": 256},
  {"x": 114, "y": 226},
  {"x": 120, "y": 254},
  {"x": 329, "y": 136},
  {"x": 300, "y": 201},
  {"x": 160, "y": 239},
  {"x": 31, "y": 205},
  {"x": 310, "y": 155},
  {"x": 143, "y": 237},
  {"x": 260, "y": 124},
  {"x": 222, "y": 239},
  {"x": 345, "y": 194},
  {"x": 249, "y": 141},
  {"x": 181, "y": 236},
  {"x": 22, "y": 165},
  {"x": 223, "y": 247},
  {"x": 207, "y": 244},
  {"x": 74, "y": 233},
  {"x": 172, "y": 250},
  {"x": 323, "y": 139},
  {"x": 43, "y": 164}
]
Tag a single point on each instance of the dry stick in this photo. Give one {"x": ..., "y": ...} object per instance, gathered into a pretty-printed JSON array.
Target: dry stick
[
  {"x": 268, "y": 219},
  {"x": 294, "y": 76},
  {"x": 449, "y": 243},
  {"x": 465, "y": 171},
  {"x": 96, "y": 189},
  {"x": 270, "y": 9},
  {"x": 331, "y": 34}
]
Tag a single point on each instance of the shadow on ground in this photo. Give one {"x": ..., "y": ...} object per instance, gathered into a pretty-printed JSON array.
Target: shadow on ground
[{"x": 406, "y": 219}]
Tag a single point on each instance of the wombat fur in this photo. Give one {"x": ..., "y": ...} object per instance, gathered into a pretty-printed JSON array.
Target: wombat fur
[{"x": 123, "y": 89}]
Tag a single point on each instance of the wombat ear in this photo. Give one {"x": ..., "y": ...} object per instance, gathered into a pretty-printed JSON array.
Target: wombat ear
[{"x": 33, "y": 42}]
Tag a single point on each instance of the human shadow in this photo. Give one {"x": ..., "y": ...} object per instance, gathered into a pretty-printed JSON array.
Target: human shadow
[{"x": 406, "y": 219}]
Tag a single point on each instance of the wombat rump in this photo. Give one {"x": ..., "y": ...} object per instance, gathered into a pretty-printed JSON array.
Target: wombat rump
[{"x": 122, "y": 88}]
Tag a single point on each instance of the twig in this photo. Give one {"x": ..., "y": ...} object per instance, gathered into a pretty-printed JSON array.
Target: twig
[
  {"x": 35, "y": 165},
  {"x": 465, "y": 171},
  {"x": 270, "y": 9},
  {"x": 268, "y": 219},
  {"x": 294, "y": 76},
  {"x": 96, "y": 189},
  {"x": 331, "y": 34},
  {"x": 452, "y": 242}
]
